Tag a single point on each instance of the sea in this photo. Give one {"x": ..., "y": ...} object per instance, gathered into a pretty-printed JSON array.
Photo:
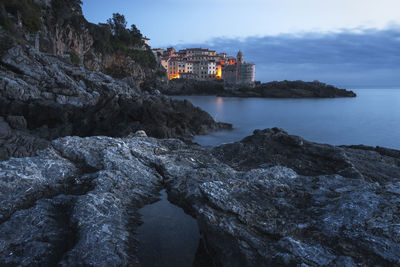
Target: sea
[
  {"x": 170, "y": 237},
  {"x": 372, "y": 118}
]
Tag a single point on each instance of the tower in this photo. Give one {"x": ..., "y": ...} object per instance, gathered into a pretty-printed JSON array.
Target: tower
[{"x": 239, "y": 58}]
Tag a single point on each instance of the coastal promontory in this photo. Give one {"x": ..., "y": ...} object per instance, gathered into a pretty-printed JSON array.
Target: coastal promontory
[{"x": 276, "y": 89}]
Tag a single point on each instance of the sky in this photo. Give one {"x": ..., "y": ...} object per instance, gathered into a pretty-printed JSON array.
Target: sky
[{"x": 344, "y": 42}]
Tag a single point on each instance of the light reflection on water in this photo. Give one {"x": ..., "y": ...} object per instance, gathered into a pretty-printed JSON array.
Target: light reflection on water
[
  {"x": 168, "y": 236},
  {"x": 372, "y": 118}
]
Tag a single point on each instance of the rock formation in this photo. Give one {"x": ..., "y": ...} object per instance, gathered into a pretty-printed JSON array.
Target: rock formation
[
  {"x": 58, "y": 27},
  {"x": 43, "y": 97},
  {"x": 76, "y": 203},
  {"x": 275, "y": 147},
  {"x": 283, "y": 89}
]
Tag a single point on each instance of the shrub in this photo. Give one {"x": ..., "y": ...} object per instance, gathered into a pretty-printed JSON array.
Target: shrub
[
  {"x": 5, "y": 43},
  {"x": 114, "y": 37},
  {"x": 143, "y": 57},
  {"x": 5, "y": 22},
  {"x": 74, "y": 58},
  {"x": 62, "y": 8},
  {"x": 30, "y": 12}
]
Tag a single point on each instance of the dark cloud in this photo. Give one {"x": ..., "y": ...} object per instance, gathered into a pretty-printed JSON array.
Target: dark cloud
[{"x": 357, "y": 57}]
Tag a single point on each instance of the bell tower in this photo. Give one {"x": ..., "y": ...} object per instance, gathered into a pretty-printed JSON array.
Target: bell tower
[{"x": 240, "y": 57}]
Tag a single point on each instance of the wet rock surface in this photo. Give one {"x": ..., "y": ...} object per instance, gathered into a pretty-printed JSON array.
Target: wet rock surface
[{"x": 76, "y": 203}]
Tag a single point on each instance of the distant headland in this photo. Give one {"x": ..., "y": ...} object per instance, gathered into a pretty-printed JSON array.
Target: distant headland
[{"x": 275, "y": 89}]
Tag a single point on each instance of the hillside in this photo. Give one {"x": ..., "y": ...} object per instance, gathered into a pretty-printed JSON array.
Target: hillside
[
  {"x": 45, "y": 92},
  {"x": 58, "y": 27}
]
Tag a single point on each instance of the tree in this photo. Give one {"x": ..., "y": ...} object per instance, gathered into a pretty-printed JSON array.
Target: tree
[
  {"x": 135, "y": 31},
  {"x": 117, "y": 24}
]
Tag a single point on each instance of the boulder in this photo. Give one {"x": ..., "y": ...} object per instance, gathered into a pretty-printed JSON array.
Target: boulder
[{"x": 272, "y": 147}]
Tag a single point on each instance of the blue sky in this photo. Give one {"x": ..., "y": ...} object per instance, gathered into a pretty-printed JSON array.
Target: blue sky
[{"x": 347, "y": 43}]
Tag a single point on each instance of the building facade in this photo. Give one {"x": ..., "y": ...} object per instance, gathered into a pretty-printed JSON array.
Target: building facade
[
  {"x": 204, "y": 64},
  {"x": 240, "y": 74}
]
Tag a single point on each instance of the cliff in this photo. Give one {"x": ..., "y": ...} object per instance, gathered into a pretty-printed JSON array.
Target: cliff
[{"x": 58, "y": 27}]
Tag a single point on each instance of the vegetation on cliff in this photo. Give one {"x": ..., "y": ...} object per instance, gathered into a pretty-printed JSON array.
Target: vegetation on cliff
[
  {"x": 114, "y": 37},
  {"x": 28, "y": 11},
  {"x": 107, "y": 47}
]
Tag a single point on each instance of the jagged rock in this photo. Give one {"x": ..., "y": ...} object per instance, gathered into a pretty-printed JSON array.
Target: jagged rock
[
  {"x": 271, "y": 147},
  {"x": 84, "y": 194},
  {"x": 17, "y": 122},
  {"x": 74, "y": 205},
  {"x": 58, "y": 99}
]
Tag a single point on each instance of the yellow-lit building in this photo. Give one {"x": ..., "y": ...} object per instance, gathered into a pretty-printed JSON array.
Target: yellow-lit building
[{"x": 195, "y": 63}]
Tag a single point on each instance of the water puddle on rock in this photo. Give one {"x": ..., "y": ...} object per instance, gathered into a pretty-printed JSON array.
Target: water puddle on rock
[{"x": 168, "y": 236}]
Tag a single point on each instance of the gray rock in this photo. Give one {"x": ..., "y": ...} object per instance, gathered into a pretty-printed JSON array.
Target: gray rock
[
  {"x": 271, "y": 147},
  {"x": 58, "y": 99},
  {"x": 75, "y": 204},
  {"x": 5, "y": 129},
  {"x": 78, "y": 199},
  {"x": 17, "y": 122}
]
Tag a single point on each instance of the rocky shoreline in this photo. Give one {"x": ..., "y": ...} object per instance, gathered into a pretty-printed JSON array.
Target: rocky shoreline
[
  {"x": 79, "y": 158},
  {"x": 76, "y": 202},
  {"x": 282, "y": 89},
  {"x": 44, "y": 97}
]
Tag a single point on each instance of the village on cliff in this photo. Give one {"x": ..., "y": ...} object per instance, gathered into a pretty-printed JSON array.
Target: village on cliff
[{"x": 204, "y": 64}]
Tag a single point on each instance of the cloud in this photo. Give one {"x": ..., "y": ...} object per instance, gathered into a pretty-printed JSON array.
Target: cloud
[{"x": 348, "y": 57}]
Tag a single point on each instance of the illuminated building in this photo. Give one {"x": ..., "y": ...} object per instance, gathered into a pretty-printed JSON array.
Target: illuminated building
[
  {"x": 205, "y": 70},
  {"x": 239, "y": 74},
  {"x": 201, "y": 64}
]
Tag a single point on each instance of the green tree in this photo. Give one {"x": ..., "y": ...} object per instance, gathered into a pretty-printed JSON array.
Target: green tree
[
  {"x": 135, "y": 31},
  {"x": 117, "y": 24}
]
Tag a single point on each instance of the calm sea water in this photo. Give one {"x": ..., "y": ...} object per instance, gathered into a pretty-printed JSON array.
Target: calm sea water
[
  {"x": 372, "y": 118},
  {"x": 168, "y": 236}
]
